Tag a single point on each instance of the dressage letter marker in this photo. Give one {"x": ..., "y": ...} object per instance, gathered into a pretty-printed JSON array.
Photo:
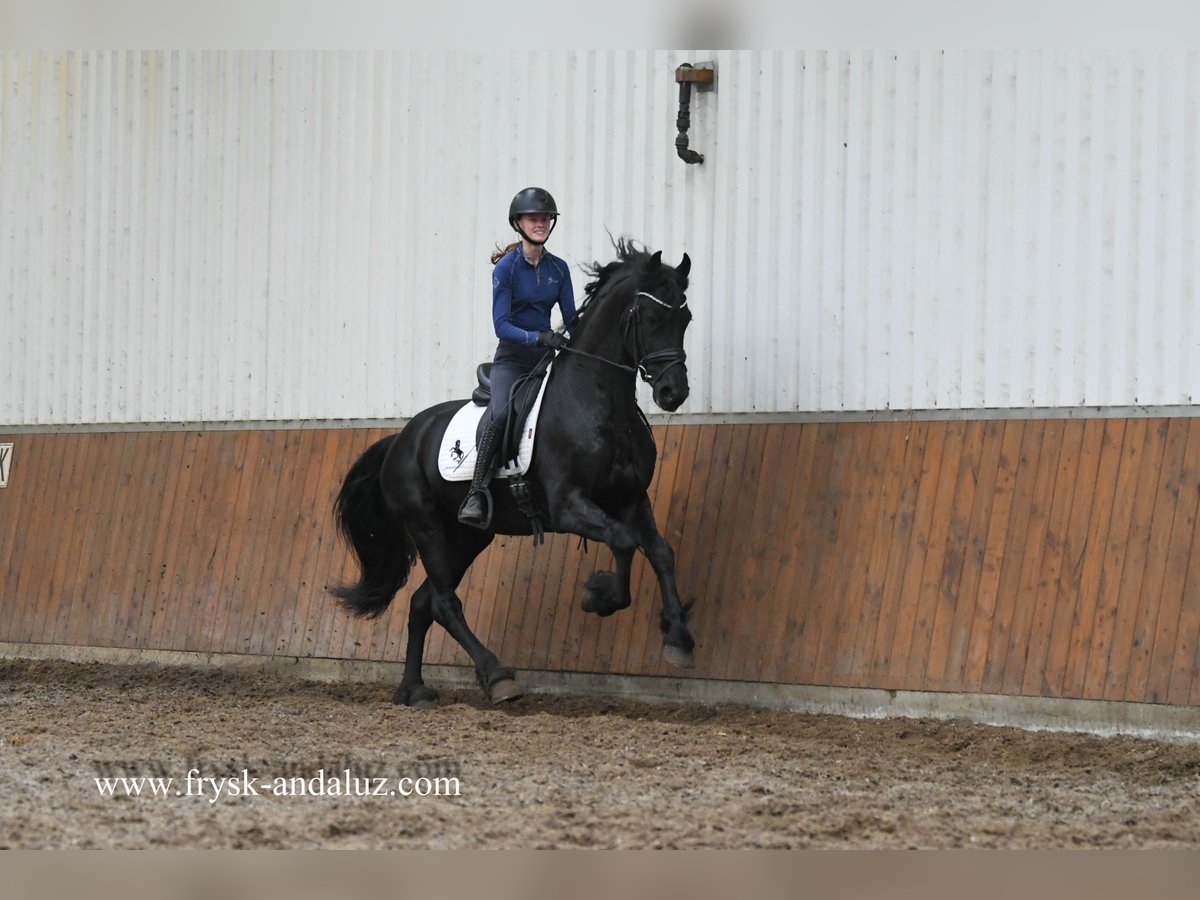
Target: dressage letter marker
[{"x": 5, "y": 459}]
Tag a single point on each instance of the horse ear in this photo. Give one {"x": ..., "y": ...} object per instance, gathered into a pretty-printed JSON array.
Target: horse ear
[
  {"x": 681, "y": 270},
  {"x": 654, "y": 262}
]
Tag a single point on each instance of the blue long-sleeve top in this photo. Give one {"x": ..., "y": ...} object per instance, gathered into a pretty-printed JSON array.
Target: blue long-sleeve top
[{"x": 523, "y": 295}]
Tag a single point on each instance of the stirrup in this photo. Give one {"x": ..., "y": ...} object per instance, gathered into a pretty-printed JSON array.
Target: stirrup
[{"x": 484, "y": 520}]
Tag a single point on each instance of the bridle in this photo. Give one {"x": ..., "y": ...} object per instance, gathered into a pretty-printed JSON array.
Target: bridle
[{"x": 668, "y": 357}]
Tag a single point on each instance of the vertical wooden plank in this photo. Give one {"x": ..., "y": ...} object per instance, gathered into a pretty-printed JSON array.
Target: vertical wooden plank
[
  {"x": 315, "y": 601},
  {"x": 47, "y": 531},
  {"x": 732, "y": 544},
  {"x": 954, "y": 601},
  {"x": 1171, "y": 632},
  {"x": 884, "y": 670},
  {"x": 998, "y": 533},
  {"x": 154, "y": 451},
  {"x": 1051, "y": 654},
  {"x": 779, "y": 658},
  {"x": 1135, "y": 550},
  {"x": 1048, "y": 580},
  {"x": 855, "y": 499},
  {"x": 298, "y": 539},
  {"x": 1035, "y": 529},
  {"x": 1013, "y": 563},
  {"x": 1077, "y": 640},
  {"x": 926, "y": 596},
  {"x": 548, "y": 638},
  {"x": 1184, "y": 684},
  {"x": 799, "y": 650},
  {"x": 888, "y": 475},
  {"x": 103, "y": 524},
  {"x": 1113, "y": 558},
  {"x": 147, "y": 593},
  {"x": 985, "y": 460},
  {"x": 1157, "y": 595},
  {"x": 767, "y": 540},
  {"x": 917, "y": 554},
  {"x": 61, "y": 591}
]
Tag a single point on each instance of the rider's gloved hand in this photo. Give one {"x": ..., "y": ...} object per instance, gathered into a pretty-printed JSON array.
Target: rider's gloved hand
[{"x": 551, "y": 339}]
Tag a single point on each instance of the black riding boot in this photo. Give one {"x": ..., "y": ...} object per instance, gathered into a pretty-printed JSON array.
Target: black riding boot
[{"x": 476, "y": 509}]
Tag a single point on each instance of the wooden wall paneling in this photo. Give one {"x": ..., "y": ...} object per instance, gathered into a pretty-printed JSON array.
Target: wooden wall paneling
[
  {"x": 1077, "y": 635},
  {"x": 926, "y": 597},
  {"x": 88, "y": 614},
  {"x": 564, "y": 638},
  {"x": 1049, "y": 653},
  {"x": 1169, "y": 634},
  {"x": 52, "y": 600},
  {"x": 298, "y": 539},
  {"x": 987, "y": 445},
  {"x": 165, "y": 618},
  {"x": 916, "y": 550},
  {"x": 1158, "y": 594},
  {"x": 777, "y": 649},
  {"x": 48, "y": 529},
  {"x": 1113, "y": 558},
  {"x": 1184, "y": 685},
  {"x": 883, "y": 670},
  {"x": 769, "y": 535},
  {"x": 1012, "y": 564},
  {"x": 1031, "y": 521},
  {"x": 339, "y": 627},
  {"x": 74, "y": 530},
  {"x": 1048, "y": 585},
  {"x": 733, "y": 545},
  {"x": 146, "y": 593},
  {"x": 952, "y": 606},
  {"x": 71, "y": 480},
  {"x": 547, "y": 637},
  {"x": 515, "y": 640},
  {"x": 316, "y": 576},
  {"x": 155, "y": 453},
  {"x": 889, "y": 471},
  {"x": 999, "y": 533},
  {"x": 797, "y": 649},
  {"x": 16, "y": 510},
  {"x": 853, "y": 512},
  {"x": 729, "y": 546},
  {"x": 293, "y": 526},
  {"x": 1135, "y": 549}
]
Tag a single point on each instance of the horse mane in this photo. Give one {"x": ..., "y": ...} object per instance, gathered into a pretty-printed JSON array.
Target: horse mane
[{"x": 630, "y": 256}]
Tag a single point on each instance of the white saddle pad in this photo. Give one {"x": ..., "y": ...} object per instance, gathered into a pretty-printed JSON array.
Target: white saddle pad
[{"x": 456, "y": 458}]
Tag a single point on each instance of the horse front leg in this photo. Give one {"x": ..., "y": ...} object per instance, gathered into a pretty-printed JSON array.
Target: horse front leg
[
  {"x": 582, "y": 516},
  {"x": 607, "y": 592}
]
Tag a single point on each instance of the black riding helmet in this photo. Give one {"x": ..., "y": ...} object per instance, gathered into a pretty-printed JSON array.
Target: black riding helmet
[{"x": 532, "y": 200}]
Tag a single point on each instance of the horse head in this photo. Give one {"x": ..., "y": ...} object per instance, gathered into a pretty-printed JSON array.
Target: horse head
[{"x": 654, "y": 325}]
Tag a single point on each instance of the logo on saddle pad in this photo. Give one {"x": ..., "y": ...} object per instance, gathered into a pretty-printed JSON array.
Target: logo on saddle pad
[{"x": 456, "y": 456}]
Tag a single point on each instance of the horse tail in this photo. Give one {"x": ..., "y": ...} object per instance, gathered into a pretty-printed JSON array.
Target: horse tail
[{"x": 384, "y": 548}]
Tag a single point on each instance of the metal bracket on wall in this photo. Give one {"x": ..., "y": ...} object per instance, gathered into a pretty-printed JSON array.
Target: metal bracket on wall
[{"x": 702, "y": 76}]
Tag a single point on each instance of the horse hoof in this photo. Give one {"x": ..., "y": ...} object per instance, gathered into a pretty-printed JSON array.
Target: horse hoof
[
  {"x": 418, "y": 696},
  {"x": 504, "y": 690},
  {"x": 678, "y": 657}
]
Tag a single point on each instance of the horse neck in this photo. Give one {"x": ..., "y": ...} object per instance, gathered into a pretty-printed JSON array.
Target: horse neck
[{"x": 601, "y": 335}]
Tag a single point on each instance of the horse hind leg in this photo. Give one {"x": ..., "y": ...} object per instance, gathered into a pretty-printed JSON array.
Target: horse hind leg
[
  {"x": 412, "y": 690},
  {"x": 445, "y": 564}
]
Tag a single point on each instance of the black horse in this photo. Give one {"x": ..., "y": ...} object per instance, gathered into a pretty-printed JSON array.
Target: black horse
[{"x": 593, "y": 462}]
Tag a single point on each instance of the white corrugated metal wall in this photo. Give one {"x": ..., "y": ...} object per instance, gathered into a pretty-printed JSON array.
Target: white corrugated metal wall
[{"x": 276, "y": 236}]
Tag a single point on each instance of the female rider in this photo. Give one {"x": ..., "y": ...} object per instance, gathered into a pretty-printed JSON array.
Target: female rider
[{"x": 527, "y": 282}]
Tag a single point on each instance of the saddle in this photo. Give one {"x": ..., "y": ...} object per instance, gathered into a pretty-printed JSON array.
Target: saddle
[{"x": 522, "y": 399}]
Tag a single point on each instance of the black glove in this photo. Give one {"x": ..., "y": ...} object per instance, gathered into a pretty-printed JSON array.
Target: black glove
[{"x": 551, "y": 339}]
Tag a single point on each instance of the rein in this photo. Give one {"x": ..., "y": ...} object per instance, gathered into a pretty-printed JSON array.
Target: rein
[{"x": 672, "y": 356}]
